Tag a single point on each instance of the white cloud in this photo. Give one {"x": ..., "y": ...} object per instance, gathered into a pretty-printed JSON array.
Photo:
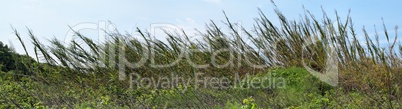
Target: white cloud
[{"x": 214, "y": 1}]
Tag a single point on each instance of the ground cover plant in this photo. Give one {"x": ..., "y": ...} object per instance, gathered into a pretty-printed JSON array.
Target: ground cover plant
[{"x": 88, "y": 74}]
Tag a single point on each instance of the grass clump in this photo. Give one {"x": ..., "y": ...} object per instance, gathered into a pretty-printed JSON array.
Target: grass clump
[{"x": 95, "y": 75}]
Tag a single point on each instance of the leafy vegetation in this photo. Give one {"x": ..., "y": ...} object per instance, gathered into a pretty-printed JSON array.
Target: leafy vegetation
[{"x": 97, "y": 75}]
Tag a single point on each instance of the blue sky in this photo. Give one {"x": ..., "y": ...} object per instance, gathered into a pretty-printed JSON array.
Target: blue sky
[{"x": 50, "y": 19}]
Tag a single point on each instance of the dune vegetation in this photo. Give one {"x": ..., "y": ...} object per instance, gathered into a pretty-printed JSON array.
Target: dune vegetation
[{"x": 263, "y": 67}]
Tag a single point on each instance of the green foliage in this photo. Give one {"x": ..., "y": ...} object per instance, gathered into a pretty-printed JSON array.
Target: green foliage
[
  {"x": 11, "y": 61},
  {"x": 86, "y": 75},
  {"x": 249, "y": 103},
  {"x": 6, "y": 58}
]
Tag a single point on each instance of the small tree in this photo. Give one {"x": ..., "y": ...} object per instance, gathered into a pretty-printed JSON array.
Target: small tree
[
  {"x": 9, "y": 60},
  {"x": 6, "y": 58}
]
